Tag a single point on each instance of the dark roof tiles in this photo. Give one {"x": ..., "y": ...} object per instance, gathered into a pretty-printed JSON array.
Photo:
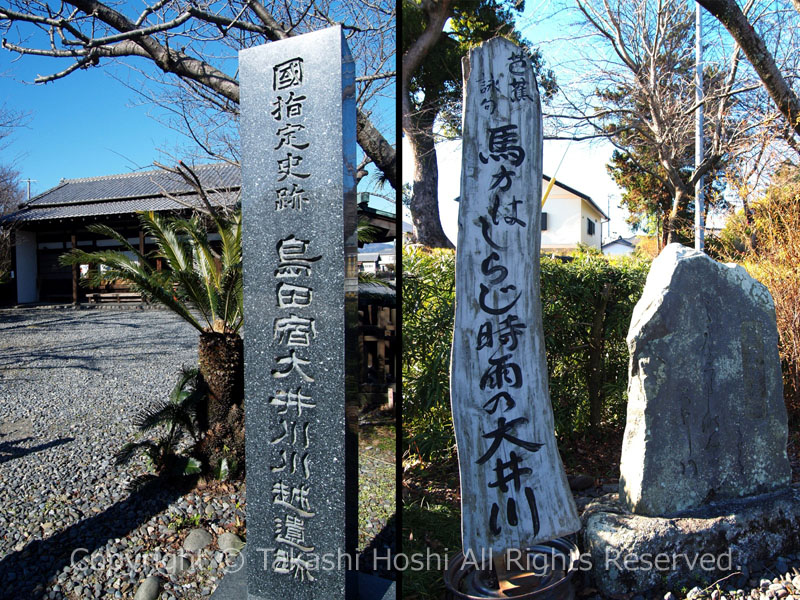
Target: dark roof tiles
[
  {"x": 116, "y": 207},
  {"x": 135, "y": 185},
  {"x": 129, "y": 193}
]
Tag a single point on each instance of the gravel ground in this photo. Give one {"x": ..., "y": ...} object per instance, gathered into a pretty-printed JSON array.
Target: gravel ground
[
  {"x": 376, "y": 506},
  {"x": 70, "y": 383}
]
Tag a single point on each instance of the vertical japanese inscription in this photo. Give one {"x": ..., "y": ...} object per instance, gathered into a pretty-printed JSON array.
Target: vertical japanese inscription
[
  {"x": 298, "y": 205},
  {"x": 292, "y": 366},
  {"x": 514, "y": 491},
  {"x": 294, "y": 330}
]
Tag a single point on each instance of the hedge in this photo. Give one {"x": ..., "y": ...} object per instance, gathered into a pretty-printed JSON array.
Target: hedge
[{"x": 587, "y": 303}]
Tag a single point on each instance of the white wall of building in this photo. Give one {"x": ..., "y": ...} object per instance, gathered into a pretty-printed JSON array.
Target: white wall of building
[
  {"x": 567, "y": 215},
  {"x": 617, "y": 249},
  {"x": 563, "y": 219},
  {"x": 588, "y": 213},
  {"x": 27, "y": 268}
]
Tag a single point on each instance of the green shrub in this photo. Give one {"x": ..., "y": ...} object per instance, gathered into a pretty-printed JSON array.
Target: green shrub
[
  {"x": 428, "y": 305},
  {"x": 587, "y": 305},
  {"x": 173, "y": 418}
]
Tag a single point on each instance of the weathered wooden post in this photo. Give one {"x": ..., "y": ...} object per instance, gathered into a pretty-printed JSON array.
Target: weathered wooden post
[
  {"x": 298, "y": 129},
  {"x": 514, "y": 491}
]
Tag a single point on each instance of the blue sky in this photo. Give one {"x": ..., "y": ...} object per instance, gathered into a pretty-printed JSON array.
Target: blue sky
[
  {"x": 83, "y": 125},
  {"x": 86, "y": 124}
]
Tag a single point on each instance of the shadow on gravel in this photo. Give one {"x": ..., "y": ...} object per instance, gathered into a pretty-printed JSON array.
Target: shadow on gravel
[
  {"x": 26, "y": 319},
  {"x": 24, "y": 574},
  {"x": 11, "y": 321},
  {"x": 10, "y": 450},
  {"x": 378, "y": 557},
  {"x": 79, "y": 355},
  {"x": 15, "y": 363}
]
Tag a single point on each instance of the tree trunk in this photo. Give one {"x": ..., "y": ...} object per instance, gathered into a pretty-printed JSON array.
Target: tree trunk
[
  {"x": 425, "y": 191},
  {"x": 376, "y": 147},
  {"x": 221, "y": 357},
  {"x": 750, "y": 241},
  {"x": 664, "y": 234},
  {"x": 671, "y": 226}
]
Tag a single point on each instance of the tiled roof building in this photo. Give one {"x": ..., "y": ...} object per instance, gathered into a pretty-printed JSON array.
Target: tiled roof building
[
  {"x": 56, "y": 220},
  {"x": 127, "y": 193}
]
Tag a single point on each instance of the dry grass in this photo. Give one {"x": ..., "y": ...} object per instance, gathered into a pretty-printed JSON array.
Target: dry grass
[{"x": 768, "y": 246}]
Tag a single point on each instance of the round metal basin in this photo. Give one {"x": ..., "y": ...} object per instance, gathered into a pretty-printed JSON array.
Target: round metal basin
[{"x": 548, "y": 573}]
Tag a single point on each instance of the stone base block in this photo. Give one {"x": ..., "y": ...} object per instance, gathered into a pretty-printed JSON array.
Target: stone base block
[
  {"x": 234, "y": 586},
  {"x": 634, "y": 553}
]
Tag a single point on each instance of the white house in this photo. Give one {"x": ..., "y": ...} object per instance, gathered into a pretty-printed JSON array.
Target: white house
[
  {"x": 569, "y": 217},
  {"x": 377, "y": 258},
  {"x": 620, "y": 246}
]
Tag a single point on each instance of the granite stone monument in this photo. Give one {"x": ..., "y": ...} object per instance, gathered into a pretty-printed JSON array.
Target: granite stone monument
[
  {"x": 514, "y": 492},
  {"x": 706, "y": 417},
  {"x": 298, "y": 129},
  {"x": 704, "y": 476}
]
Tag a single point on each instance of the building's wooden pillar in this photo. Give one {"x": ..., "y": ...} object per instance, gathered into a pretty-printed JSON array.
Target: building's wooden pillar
[
  {"x": 381, "y": 360},
  {"x": 383, "y": 324},
  {"x": 141, "y": 244},
  {"x": 362, "y": 355},
  {"x": 75, "y": 273}
]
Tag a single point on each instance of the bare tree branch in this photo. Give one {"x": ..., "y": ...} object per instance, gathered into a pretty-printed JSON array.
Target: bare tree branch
[
  {"x": 640, "y": 94},
  {"x": 174, "y": 38},
  {"x": 733, "y": 19}
]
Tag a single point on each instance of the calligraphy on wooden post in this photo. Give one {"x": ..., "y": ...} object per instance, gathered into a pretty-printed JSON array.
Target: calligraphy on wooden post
[{"x": 514, "y": 491}]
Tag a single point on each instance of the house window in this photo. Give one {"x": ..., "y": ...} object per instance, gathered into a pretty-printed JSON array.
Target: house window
[
  {"x": 589, "y": 226},
  {"x": 544, "y": 221}
]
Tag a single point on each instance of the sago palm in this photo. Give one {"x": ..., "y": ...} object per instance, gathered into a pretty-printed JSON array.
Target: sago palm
[
  {"x": 201, "y": 284},
  {"x": 176, "y": 417}
]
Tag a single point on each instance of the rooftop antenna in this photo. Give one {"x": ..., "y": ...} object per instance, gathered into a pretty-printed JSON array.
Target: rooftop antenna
[{"x": 28, "y": 181}]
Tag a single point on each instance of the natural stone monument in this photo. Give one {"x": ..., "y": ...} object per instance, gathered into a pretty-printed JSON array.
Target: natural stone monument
[
  {"x": 706, "y": 416},
  {"x": 704, "y": 486},
  {"x": 298, "y": 128},
  {"x": 514, "y": 492}
]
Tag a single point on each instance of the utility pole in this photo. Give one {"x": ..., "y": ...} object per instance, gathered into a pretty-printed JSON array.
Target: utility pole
[
  {"x": 699, "y": 200},
  {"x": 28, "y": 181}
]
